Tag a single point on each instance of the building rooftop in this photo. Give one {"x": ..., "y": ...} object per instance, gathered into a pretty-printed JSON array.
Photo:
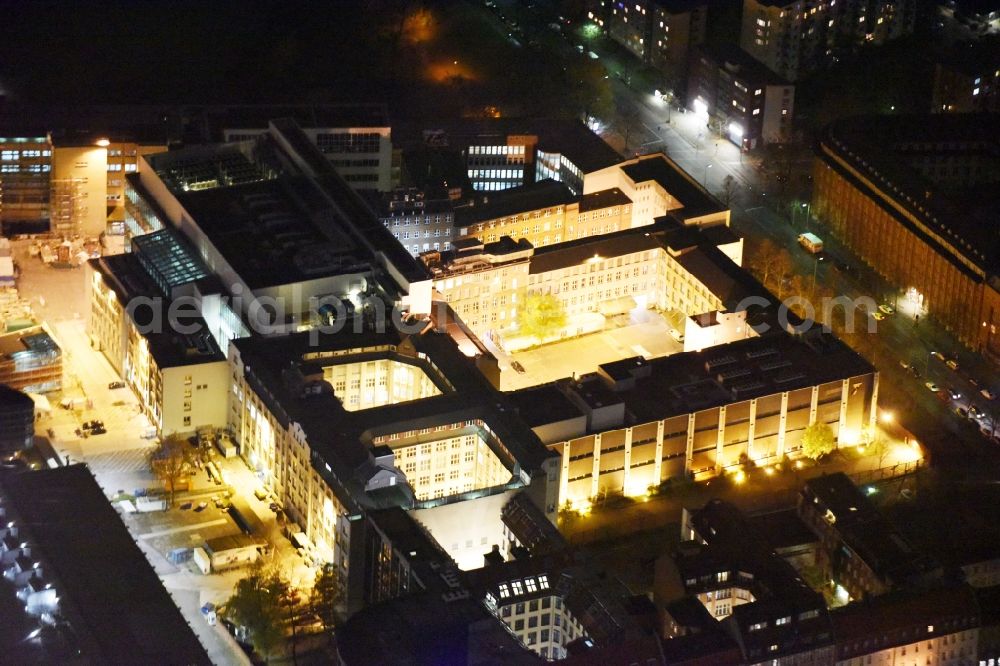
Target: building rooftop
[
  {"x": 126, "y": 275},
  {"x": 543, "y": 404},
  {"x": 332, "y": 116},
  {"x": 603, "y": 199},
  {"x": 343, "y": 439},
  {"x": 606, "y": 246},
  {"x": 31, "y": 340},
  {"x": 514, "y": 201},
  {"x": 569, "y": 137},
  {"x": 107, "y": 589},
  {"x": 887, "y": 150},
  {"x": 741, "y": 64},
  {"x": 11, "y": 397},
  {"x": 423, "y": 629},
  {"x": 694, "y": 199},
  {"x": 863, "y": 528},
  {"x": 169, "y": 261}
]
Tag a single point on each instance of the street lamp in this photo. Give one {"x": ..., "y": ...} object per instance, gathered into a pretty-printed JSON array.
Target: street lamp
[{"x": 705, "y": 179}]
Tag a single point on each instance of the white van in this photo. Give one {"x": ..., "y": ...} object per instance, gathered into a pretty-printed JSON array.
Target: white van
[{"x": 811, "y": 242}]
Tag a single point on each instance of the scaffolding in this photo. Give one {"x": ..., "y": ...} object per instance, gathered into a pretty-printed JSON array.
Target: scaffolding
[{"x": 68, "y": 207}]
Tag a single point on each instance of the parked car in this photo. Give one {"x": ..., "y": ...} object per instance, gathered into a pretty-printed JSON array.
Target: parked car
[
  {"x": 904, "y": 365},
  {"x": 116, "y": 385},
  {"x": 878, "y": 316},
  {"x": 938, "y": 355},
  {"x": 676, "y": 335},
  {"x": 100, "y": 430},
  {"x": 962, "y": 411},
  {"x": 885, "y": 308},
  {"x": 931, "y": 386},
  {"x": 517, "y": 367},
  {"x": 201, "y": 506},
  {"x": 954, "y": 393},
  {"x": 952, "y": 363},
  {"x": 260, "y": 494},
  {"x": 988, "y": 394}
]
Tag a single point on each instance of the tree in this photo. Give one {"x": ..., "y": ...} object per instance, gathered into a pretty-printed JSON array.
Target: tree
[
  {"x": 769, "y": 261},
  {"x": 172, "y": 461},
  {"x": 541, "y": 316},
  {"x": 729, "y": 188},
  {"x": 326, "y": 595},
  {"x": 818, "y": 441},
  {"x": 256, "y": 605},
  {"x": 879, "y": 449}
]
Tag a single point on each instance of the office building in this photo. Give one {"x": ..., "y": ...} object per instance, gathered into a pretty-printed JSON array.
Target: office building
[
  {"x": 81, "y": 575},
  {"x": 661, "y": 33},
  {"x": 795, "y": 38},
  {"x": 181, "y": 380},
  {"x": 543, "y": 213},
  {"x": 30, "y": 361},
  {"x": 25, "y": 190},
  {"x": 17, "y": 420},
  {"x": 418, "y": 222},
  {"x": 894, "y": 190},
  {"x": 355, "y": 138},
  {"x": 273, "y": 220},
  {"x": 501, "y": 153},
  {"x": 859, "y": 549},
  {"x": 636, "y": 423},
  {"x": 750, "y": 104},
  {"x": 342, "y": 424},
  {"x": 665, "y": 268},
  {"x": 967, "y": 78}
]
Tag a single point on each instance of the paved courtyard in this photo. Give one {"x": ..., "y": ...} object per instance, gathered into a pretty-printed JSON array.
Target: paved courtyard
[{"x": 643, "y": 333}]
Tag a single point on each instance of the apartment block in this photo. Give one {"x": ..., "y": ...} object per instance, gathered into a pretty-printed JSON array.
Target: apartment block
[
  {"x": 752, "y": 105},
  {"x": 967, "y": 78},
  {"x": 661, "y": 33},
  {"x": 795, "y": 38}
]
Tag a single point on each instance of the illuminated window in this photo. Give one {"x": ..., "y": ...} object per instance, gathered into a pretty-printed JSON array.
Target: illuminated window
[
  {"x": 517, "y": 587},
  {"x": 543, "y": 582},
  {"x": 504, "y": 591}
]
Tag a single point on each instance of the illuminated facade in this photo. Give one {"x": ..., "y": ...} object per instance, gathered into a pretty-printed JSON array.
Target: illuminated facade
[
  {"x": 31, "y": 361},
  {"x": 656, "y": 186},
  {"x": 796, "y": 38},
  {"x": 660, "y": 33},
  {"x": 600, "y": 275},
  {"x": 25, "y": 190},
  {"x": 568, "y": 217},
  {"x": 751, "y": 104},
  {"x": 886, "y": 187},
  {"x": 705, "y": 413},
  {"x": 422, "y": 435}
]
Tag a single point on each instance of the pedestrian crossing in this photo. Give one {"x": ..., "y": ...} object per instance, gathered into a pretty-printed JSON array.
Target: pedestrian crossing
[{"x": 115, "y": 462}]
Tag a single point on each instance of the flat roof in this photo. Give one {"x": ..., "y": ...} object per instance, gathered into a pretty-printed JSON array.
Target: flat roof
[
  {"x": 311, "y": 116},
  {"x": 540, "y": 405},
  {"x": 603, "y": 199},
  {"x": 125, "y": 275},
  {"x": 107, "y": 588},
  {"x": 741, "y": 64},
  {"x": 265, "y": 231},
  {"x": 694, "y": 199},
  {"x": 606, "y": 246},
  {"x": 547, "y": 193},
  {"x": 866, "y": 530},
  {"x": 566, "y": 136},
  {"x": 343, "y": 439},
  {"x": 885, "y": 151},
  {"x": 693, "y": 381}
]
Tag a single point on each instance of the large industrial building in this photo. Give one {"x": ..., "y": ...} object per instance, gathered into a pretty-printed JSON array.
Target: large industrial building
[{"x": 915, "y": 198}]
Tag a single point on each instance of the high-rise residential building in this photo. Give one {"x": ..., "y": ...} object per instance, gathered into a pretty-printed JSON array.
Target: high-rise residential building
[
  {"x": 750, "y": 104},
  {"x": 898, "y": 191},
  {"x": 661, "y": 33},
  {"x": 795, "y": 38},
  {"x": 967, "y": 78}
]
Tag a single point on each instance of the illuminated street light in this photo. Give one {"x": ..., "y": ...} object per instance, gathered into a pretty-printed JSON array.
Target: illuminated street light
[
  {"x": 735, "y": 131},
  {"x": 103, "y": 143},
  {"x": 887, "y": 417}
]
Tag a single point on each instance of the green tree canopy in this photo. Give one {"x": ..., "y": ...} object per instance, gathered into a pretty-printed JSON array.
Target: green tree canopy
[
  {"x": 326, "y": 595},
  {"x": 541, "y": 316},
  {"x": 257, "y": 605},
  {"x": 818, "y": 441}
]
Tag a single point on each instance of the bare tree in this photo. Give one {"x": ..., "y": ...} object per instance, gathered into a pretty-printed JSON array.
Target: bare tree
[
  {"x": 729, "y": 188},
  {"x": 172, "y": 460}
]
